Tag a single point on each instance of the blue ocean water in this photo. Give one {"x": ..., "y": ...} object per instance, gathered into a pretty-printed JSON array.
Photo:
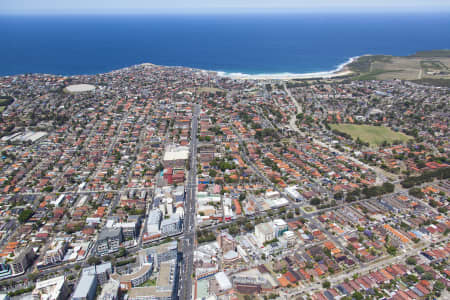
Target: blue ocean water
[{"x": 252, "y": 44}]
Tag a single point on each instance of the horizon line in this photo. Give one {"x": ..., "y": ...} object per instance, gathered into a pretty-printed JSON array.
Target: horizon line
[{"x": 245, "y": 12}]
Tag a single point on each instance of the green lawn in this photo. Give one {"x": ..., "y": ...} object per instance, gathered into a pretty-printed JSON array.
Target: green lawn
[
  {"x": 3, "y": 101},
  {"x": 149, "y": 282},
  {"x": 374, "y": 135}
]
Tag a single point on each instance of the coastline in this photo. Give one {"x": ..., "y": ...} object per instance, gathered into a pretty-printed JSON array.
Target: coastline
[{"x": 340, "y": 71}]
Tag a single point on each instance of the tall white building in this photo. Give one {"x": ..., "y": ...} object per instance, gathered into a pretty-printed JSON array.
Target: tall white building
[
  {"x": 154, "y": 221},
  {"x": 264, "y": 232},
  {"x": 279, "y": 226}
]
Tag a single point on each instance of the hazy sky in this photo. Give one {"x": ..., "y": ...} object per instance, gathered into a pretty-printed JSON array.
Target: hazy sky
[{"x": 220, "y": 6}]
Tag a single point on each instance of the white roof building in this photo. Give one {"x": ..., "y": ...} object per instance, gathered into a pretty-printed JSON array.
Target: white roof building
[
  {"x": 223, "y": 281},
  {"x": 176, "y": 153},
  {"x": 154, "y": 221},
  {"x": 292, "y": 192},
  {"x": 272, "y": 194},
  {"x": 51, "y": 289},
  {"x": 264, "y": 232}
]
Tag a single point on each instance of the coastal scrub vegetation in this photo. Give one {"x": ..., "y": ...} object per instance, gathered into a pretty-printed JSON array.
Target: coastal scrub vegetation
[{"x": 362, "y": 63}]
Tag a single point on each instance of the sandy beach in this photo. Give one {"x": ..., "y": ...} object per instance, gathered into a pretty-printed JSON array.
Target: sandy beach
[{"x": 340, "y": 71}]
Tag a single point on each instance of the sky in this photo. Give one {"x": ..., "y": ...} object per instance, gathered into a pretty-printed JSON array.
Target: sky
[{"x": 218, "y": 6}]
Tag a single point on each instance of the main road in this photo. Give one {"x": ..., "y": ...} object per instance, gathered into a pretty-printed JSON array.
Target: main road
[{"x": 189, "y": 215}]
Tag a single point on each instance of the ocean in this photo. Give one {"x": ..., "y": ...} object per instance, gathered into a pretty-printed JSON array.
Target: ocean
[{"x": 248, "y": 44}]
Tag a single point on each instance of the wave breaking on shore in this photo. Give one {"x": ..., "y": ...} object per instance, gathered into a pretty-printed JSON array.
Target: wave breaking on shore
[{"x": 341, "y": 70}]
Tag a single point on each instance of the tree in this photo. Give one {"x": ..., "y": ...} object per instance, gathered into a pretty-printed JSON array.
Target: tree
[
  {"x": 350, "y": 198},
  {"x": 25, "y": 215},
  {"x": 122, "y": 252},
  {"x": 410, "y": 278},
  {"x": 233, "y": 230},
  {"x": 33, "y": 276},
  {"x": 357, "y": 296},
  {"x": 438, "y": 286},
  {"x": 106, "y": 258},
  {"x": 326, "y": 284},
  {"x": 47, "y": 189},
  {"x": 428, "y": 276},
  {"x": 391, "y": 250},
  {"x": 416, "y": 192},
  {"x": 212, "y": 173},
  {"x": 419, "y": 269},
  {"x": 249, "y": 226},
  {"x": 93, "y": 260},
  {"x": 411, "y": 261},
  {"x": 327, "y": 252},
  {"x": 388, "y": 187},
  {"x": 339, "y": 195},
  {"x": 242, "y": 196},
  {"x": 315, "y": 201},
  {"x": 442, "y": 210}
]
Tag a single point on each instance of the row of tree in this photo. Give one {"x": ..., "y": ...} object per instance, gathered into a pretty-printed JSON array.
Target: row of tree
[{"x": 442, "y": 173}]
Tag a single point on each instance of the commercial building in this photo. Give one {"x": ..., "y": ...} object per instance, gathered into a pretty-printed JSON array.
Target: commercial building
[
  {"x": 23, "y": 260},
  {"x": 264, "y": 232},
  {"x": 102, "y": 272},
  {"x": 231, "y": 257},
  {"x": 172, "y": 225},
  {"x": 292, "y": 192},
  {"x": 150, "y": 260},
  {"x": 161, "y": 253},
  {"x": 5, "y": 271},
  {"x": 226, "y": 242},
  {"x": 154, "y": 221},
  {"x": 223, "y": 281},
  {"x": 129, "y": 229},
  {"x": 149, "y": 293},
  {"x": 109, "y": 241},
  {"x": 54, "y": 288},
  {"x": 279, "y": 226},
  {"x": 110, "y": 291},
  {"x": 175, "y": 156},
  {"x": 290, "y": 237},
  {"x": 55, "y": 253},
  {"x": 86, "y": 287},
  {"x": 129, "y": 281},
  {"x": 166, "y": 284},
  {"x": 179, "y": 194}
]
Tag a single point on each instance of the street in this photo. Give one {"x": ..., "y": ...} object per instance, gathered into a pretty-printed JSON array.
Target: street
[{"x": 185, "y": 285}]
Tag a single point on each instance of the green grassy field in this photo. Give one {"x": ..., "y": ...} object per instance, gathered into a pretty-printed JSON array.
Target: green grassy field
[
  {"x": 374, "y": 135},
  {"x": 4, "y": 102}
]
